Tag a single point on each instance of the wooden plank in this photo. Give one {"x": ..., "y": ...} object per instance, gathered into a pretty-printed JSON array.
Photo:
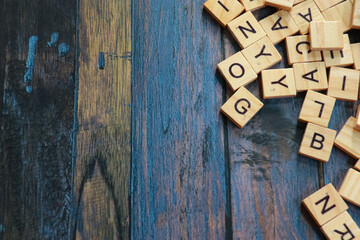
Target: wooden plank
[
  {"x": 179, "y": 145},
  {"x": 101, "y": 177},
  {"x": 36, "y": 127}
]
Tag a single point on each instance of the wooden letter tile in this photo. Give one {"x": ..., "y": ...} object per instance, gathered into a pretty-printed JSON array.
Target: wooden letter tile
[
  {"x": 326, "y": 35},
  {"x": 262, "y": 55},
  {"x": 298, "y": 1},
  {"x": 241, "y": 107},
  {"x": 355, "y": 49},
  {"x": 325, "y": 204},
  {"x": 283, "y": 4},
  {"x": 237, "y": 71},
  {"x": 348, "y": 139},
  {"x": 278, "y": 26},
  {"x": 344, "y": 84},
  {"x": 357, "y": 165},
  {"x": 246, "y": 29},
  {"x": 298, "y": 50},
  {"x": 304, "y": 13},
  {"x": 224, "y": 10},
  {"x": 310, "y": 76},
  {"x": 358, "y": 118},
  {"x": 251, "y": 5},
  {"x": 340, "y": 12},
  {"x": 341, "y": 227},
  {"x": 356, "y": 15},
  {"x": 350, "y": 187},
  {"x": 317, "y": 142},
  {"x": 278, "y": 83},
  {"x": 339, "y": 58},
  {"x": 317, "y": 108},
  {"x": 325, "y": 4}
]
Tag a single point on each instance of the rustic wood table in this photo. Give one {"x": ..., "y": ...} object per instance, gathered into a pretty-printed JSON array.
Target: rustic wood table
[{"x": 139, "y": 149}]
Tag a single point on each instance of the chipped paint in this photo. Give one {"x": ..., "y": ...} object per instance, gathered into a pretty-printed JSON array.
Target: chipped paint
[
  {"x": 101, "y": 61},
  {"x": 54, "y": 39},
  {"x": 30, "y": 60},
  {"x": 63, "y": 49}
]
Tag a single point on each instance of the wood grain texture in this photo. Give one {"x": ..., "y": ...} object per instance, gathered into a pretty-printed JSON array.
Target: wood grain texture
[
  {"x": 101, "y": 177},
  {"x": 36, "y": 128}
]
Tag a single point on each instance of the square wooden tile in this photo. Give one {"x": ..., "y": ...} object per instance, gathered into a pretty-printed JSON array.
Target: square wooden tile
[
  {"x": 278, "y": 26},
  {"x": 340, "y": 12},
  {"x": 237, "y": 71},
  {"x": 350, "y": 187},
  {"x": 326, "y": 35},
  {"x": 325, "y": 4},
  {"x": 298, "y": 50},
  {"x": 344, "y": 84},
  {"x": 310, "y": 76},
  {"x": 277, "y": 83},
  {"x": 355, "y": 24},
  {"x": 304, "y": 13},
  {"x": 355, "y": 49},
  {"x": 348, "y": 139},
  {"x": 241, "y": 107},
  {"x": 246, "y": 29},
  {"x": 298, "y": 1},
  {"x": 224, "y": 10},
  {"x": 317, "y": 108},
  {"x": 339, "y": 58},
  {"x": 341, "y": 227},
  {"x": 357, "y": 165},
  {"x": 317, "y": 142},
  {"x": 357, "y": 126},
  {"x": 262, "y": 55},
  {"x": 325, "y": 204},
  {"x": 283, "y": 4},
  {"x": 251, "y": 5}
]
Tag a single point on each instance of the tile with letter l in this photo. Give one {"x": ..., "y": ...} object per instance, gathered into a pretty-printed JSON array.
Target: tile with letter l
[
  {"x": 339, "y": 58},
  {"x": 310, "y": 76},
  {"x": 348, "y": 139},
  {"x": 251, "y": 5},
  {"x": 298, "y": 50},
  {"x": 278, "y": 83},
  {"x": 224, "y": 10},
  {"x": 350, "y": 187},
  {"x": 340, "y": 12},
  {"x": 341, "y": 227},
  {"x": 283, "y": 4},
  {"x": 326, "y": 35},
  {"x": 325, "y": 204},
  {"x": 344, "y": 84},
  {"x": 241, "y": 107}
]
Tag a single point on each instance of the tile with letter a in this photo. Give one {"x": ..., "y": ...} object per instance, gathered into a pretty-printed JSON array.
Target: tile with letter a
[
  {"x": 340, "y": 12},
  {"x": 237, "y": 71},
  {"x": 224, "y": 10},
  {"x": 278, "y": 26},
  {"x": 355, "y": 49},
  {"x": 304, "y": 13},
  {"x": 341, "y": 227},
  {"x": 350, "y": 187},
  {"x": 356, "y": 15},
  {"x": 317, "y": 142},
  {"x": 277, "y": 83},
  {"x": 344, "y": 84},
  {"x": 283, "y": 4},
  {"x": 317, "y": 108},
  {"x": 325, "y": 204},
  {"x": 357, "y": 165},
  {"x": 325, "y": 4},
  {"x": 262, "y": 55},
  {"x": 310, "y": 76},
  {"x": 339, "y": 58},
  {"x": 326, "y": 35},
  {"x": 348, "y": 139},
  {"x": 246, "y": 29},
  {"x": 241, "y": 107},
  {"x": 298, "y": 50},
  {"x": 251, "y": 5}
]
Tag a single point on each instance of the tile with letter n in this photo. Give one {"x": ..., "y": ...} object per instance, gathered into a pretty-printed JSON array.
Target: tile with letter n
[
  {"x": 348, "y": 139},
  {"x": 357, "y": 165},
  {"x": 283, "y": 4},
  {"x": 350, "y": 187},
  {"x": 304, "y": 13},
  {"x": 326, "y": 35},
  {"x": 344, "y": 84},
  {"x": 237, "y": 71},
  {"x": 310, "y": 76},
  {"x": 241, "y": 107},
  {"x": 325, "y": 204},
  {"x": 341, "y": 12},
  {"x": 278, "y": 26},
  {"x": 325, "y": 4},
  {"x": 224, "y": 10},
  {"x": 251, "y": 5},
  {"x": 317, "y": 142},
  {"x": 317, "y": 108},
  {"x": 246, "y": 29},
  {"x": 341, "y": 227},
  {"x": 298, "y": 50},
  {"x": 262, "y": 55},
  {"x": 277, "y": 83},
  {"x": 355, "y": 49},
  {"x": 339, "y": 58},
  {"x": 355, "y": 24}
]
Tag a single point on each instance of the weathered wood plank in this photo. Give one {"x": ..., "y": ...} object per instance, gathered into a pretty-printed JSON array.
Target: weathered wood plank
[
  {"x": 178, "y": 180},
  {"x": 36, "y": 128},
  {"x": 101, "y": 177}
]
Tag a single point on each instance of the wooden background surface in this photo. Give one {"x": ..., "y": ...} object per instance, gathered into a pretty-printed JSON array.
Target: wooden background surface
[{"x": 139, "y": 149}]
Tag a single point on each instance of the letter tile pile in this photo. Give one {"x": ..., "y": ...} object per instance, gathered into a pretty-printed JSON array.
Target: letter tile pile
[{"x": 315, "y": 41}]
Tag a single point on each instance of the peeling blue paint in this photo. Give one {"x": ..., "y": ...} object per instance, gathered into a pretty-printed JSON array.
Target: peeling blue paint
[
  {"x": 29, "y": 89},
  {"x": 63, "y": 49},
  {"x": 30, "y": 60},
  {"x": 54, "y": 39},
  {"x": 101, "y": 61}
]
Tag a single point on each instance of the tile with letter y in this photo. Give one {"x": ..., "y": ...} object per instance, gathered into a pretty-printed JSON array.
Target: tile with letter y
[
  {"x": 348, "y": 139},
  {"x": 350, "y": 187},
  {"x": 341, "y": 227},
  {"x": 344, "y": 84},
  {"x": 298, "y": 50},
  {"x": 339, "y": 58},
  {"x": 277, "y": 83},
  {"x": 310, "y": 76},
  {"x": 224, "y": 10}
]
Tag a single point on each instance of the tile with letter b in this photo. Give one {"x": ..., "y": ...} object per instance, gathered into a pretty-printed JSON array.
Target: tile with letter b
[
  {"x": 355, "y": 49},
  {"x": 325, "y": 4},
  {"x": 224, "y": 10},
  {"x": 355, "y": 24},
  {"x": 339, "y": 58},
  {"x": 325, "y": 204},
  {"x": 241, "y": 107},
  {"x": 340, "y": 12},
  {"x": 341, "y": 227},
  {"x": 277, "y": 83},
  {"x": 278, "y": 26},
  {"x": 326, "y": 35},
  {"x": 357, "y": 165},
  {"x": 298, "y": 50},
  {"x": 262, "y": 55},
  {"x": 283, "y": 4},
  {"x": 251, "y": 5},
  {"x": 317, "y": 108},
  {"x": 350, "y": 187},
  {"x": 344, "y": 84},
  {"x": 246, "y": 29},
  {"x": 310, "y": 76},
  {"x": 237, "y": 71},
  {"x": 348, "y": 139}
]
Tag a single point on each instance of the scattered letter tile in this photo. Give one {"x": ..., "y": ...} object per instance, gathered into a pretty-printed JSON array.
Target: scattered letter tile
[
  {"x": 224, "y": 10},
  {"x": 350, "y": 187},
  {"x": 339, "y": 58},
  {"x": 344, "y": 84},
  {"x": 298, "y": 50},
  {"x": 310, "y": 76},
  {"x": 326, "y": 35},
  {"x": 341, "y": 227},
  {"x": 277, "y": 83},
  {"x": 348, "y": 139},
  {"x": 283, "y": 4},
  {"x": 340, "y": 12}
]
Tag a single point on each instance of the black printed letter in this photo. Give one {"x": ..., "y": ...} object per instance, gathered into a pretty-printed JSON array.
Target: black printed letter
[
  {"x": 324, "y": 209},
  {"x": 243, "y": 29},
  {"x": 262, "y": 52},
  {"x": 321, "y": 109},
  {"x": 300, "y": 43},
  {"x": 312, "y": 145},
  {"x": 243, "y": 110},
  {"x": 343, "y": 234},
  {"x": 306, "y": 76},
  {"x": 226, "y": 9},
  {"x": 232, "y": 73},
  {"x": 278, "y": 23},
  {"x": 280, "y": 82},
  {"x": 307, "y": 15}
]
